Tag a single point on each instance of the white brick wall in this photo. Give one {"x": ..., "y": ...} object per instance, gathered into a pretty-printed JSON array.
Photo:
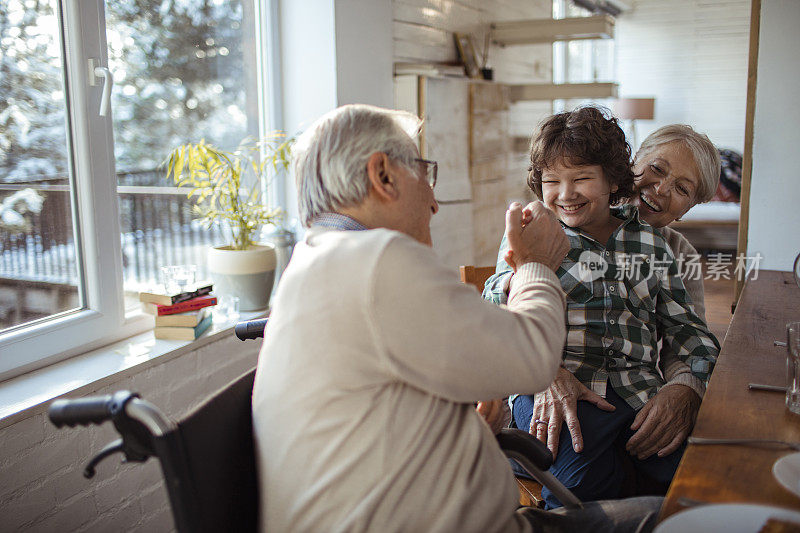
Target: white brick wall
[{"x": 42, "y": 487}]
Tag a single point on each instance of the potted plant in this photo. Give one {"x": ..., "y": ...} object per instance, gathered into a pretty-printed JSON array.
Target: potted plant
[{"x": 218, "y": 181}]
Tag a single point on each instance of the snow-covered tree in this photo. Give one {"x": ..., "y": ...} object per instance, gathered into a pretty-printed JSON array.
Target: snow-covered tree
[{"x": 179, "y": 70}]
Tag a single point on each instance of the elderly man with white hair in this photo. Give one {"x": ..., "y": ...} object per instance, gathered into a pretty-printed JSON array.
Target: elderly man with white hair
[{"x": 375, "y": 354}]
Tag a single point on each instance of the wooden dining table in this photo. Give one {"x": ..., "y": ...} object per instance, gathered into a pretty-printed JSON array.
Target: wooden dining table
[{"x": 738, "y": 473}]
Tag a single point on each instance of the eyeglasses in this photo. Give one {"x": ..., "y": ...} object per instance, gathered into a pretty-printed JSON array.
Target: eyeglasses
[{"x": 431, "y": 170}]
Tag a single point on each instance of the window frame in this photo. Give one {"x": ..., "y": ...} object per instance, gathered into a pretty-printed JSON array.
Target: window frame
[{"x": 102, "y": 319}]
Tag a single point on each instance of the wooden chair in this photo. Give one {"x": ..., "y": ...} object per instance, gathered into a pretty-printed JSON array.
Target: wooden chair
[
  {"x": 476, "y": 276},
  {"x": 530, "y": 492}
]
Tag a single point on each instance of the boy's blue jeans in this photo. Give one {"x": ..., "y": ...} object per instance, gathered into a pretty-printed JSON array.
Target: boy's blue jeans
[{"x": 597, "y": 472}]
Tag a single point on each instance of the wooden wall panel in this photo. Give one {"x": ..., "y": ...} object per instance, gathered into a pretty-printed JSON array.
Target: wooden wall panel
[
  {"x": 446, "y": 135},
  {"x": 524, "y": 117},
  {"x": 413, "y": 42},
  {"x": 488, "y": 97},
  {"x": 405, "y": 93},
  {"x": 490, "y": 147},
  {"x": 486, "y": 143},
  {"x": 489, "y": 170},
  {"x": 423, "y": 32},
  {"x": 516, "y": 180},
  {"x": 467, "y": 229},
  {"x": 488, "y": 219},
  {"x": 448, "y": 16},
  {"x": 522, "y": 64},
  {"x": 451, "y": 230}
]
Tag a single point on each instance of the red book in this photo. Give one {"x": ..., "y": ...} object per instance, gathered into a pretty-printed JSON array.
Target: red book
[{"x": 181, "y": 307}]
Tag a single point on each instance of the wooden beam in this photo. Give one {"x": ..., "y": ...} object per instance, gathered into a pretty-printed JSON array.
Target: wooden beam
[
  {"x": 557, "y": 91},
  {"x": 749, "y": 118},
  {"x": 551, "y": 30}
]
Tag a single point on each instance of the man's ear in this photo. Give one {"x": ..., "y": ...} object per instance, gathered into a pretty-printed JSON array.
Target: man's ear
[{"x": 380, "y": 176}]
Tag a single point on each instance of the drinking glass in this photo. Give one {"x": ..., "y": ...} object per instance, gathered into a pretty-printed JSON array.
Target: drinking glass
[
  {"x": 227, "y": 309},
  {"x": 178, "y": 278},
  {"x": 793, "y": 367}
]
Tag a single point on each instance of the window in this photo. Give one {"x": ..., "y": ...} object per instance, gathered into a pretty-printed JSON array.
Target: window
[
  {"x": 38, "y": 269},
  {"x": 180, "y": 75},
  {"x": 86, "y": 215},
  {"x": 580, "y": 61}
]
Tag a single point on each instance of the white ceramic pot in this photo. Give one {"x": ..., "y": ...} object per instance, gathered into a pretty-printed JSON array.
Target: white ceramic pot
[{"x": 248, "y": 274}]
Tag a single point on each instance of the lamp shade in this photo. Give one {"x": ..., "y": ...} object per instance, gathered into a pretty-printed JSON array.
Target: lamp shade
[{"x": 634, "y": 108}]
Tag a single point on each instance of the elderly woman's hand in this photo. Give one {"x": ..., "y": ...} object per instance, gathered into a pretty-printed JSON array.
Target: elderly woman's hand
[
  {"x": 559, "y": 403},
  {"x": 496, "y": 413},
  {"x": 664, "y": 422}
]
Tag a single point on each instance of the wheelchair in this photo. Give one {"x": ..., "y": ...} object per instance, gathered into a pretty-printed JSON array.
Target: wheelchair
[{"x": 211, "y": 482}]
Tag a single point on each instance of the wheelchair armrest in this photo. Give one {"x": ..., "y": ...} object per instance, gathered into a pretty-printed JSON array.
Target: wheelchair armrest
[
  {"x": 523, "y": 443},
  {"x": 534, "y": 457}
]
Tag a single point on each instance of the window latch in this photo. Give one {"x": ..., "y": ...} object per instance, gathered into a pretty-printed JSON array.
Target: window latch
[{"x": 95, "y": 72}]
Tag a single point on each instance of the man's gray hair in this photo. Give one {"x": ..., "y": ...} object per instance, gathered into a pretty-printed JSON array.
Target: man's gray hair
[
  {"x": 706, "y": 155},
  {"x": 330, "y": 158}
]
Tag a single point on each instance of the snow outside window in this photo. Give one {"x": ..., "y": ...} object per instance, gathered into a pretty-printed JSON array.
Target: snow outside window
[{"x": 86, "y": 215}]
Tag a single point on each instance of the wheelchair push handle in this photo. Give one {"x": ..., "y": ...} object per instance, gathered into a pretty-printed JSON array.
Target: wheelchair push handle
[
  {"x": 91, "y": 410},
  {"x": 524, "y": 443},
  {"x": 250, "y": 329},
  {"x": 534, "y": 457}
]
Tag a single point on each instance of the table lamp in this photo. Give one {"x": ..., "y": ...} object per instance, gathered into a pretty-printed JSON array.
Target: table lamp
[{"x": 634, "y": 109}]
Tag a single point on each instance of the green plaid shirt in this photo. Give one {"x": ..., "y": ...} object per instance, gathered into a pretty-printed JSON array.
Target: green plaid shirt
[{"x": 622, "y": 299}]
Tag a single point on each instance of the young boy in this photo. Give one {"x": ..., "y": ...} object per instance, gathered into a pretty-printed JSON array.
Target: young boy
[{"x": 624, "y": 296}]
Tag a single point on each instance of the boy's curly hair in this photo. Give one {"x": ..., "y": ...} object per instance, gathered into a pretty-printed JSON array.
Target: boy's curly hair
[{"x": 585, "y": 136}]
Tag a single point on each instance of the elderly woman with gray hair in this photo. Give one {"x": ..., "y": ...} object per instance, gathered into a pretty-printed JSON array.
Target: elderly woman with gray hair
[{"x": 676, "y": 169}]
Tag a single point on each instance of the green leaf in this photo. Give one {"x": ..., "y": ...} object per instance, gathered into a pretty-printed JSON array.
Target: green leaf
[{"x": 215, "y": 181}]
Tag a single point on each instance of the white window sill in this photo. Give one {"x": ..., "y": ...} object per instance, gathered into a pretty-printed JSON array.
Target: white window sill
[{"x": 31, "y": 393}]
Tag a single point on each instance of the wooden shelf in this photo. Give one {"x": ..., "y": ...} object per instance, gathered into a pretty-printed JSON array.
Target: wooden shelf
[
  {"x": 559, "y": 91},
  {"x": 500, "y": 92},
  {"x": 435, "y": 70},
  {"x": 551, "y": 30}
]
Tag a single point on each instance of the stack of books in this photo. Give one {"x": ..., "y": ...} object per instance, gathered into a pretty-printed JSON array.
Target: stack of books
[{"x": 180, "y": 316}]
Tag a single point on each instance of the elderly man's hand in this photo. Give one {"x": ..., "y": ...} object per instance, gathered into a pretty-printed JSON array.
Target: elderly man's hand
[
  {"x": 664, "y": 422},
  {"x": 558, "y": 403},
  {"x": 534, "y": 235},
  {"x": 496, "y": 413}
]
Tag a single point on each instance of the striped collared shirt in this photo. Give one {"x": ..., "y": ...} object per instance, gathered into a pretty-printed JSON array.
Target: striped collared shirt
[
  {"x": 338, "y": 221},
  {"x": 622, "y": 299}
]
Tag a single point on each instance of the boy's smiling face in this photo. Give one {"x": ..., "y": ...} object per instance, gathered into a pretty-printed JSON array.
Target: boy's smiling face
[{"x": 578, "y": 195}]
